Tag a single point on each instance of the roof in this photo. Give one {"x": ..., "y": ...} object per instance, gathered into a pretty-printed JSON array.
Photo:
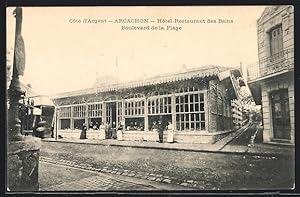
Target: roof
[{"x": 199, "y": 72}]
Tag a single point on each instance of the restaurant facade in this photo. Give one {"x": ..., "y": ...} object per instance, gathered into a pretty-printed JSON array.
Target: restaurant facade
[{"x": 196, "y": 102}]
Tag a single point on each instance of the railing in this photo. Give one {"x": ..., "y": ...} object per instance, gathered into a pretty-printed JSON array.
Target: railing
[{"x": 273, "y": 64}]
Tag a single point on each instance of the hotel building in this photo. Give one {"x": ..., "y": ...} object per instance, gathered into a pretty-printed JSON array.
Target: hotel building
[{"x": 196, "y": 101}]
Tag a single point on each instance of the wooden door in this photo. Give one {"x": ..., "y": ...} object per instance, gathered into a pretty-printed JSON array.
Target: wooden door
[{"x": 281, "y": 114}]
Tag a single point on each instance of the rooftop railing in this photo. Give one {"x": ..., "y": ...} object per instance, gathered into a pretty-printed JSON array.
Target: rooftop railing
[{"x": 276, "y": 63}]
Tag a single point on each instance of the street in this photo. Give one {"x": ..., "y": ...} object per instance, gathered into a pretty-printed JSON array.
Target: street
[
  {"x": 245, "y": 137},
  {"x": 192, "y": 170}
]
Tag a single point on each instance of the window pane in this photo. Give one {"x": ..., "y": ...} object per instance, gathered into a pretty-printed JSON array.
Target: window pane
[
  {"x": 196, "y": 107},
  {"x": 202, "y": 117},
  {"x": 201, "y": 106},
  {"x": 187, "y": 117},
  {"x": 178, "y": 126},
  {"x": 186, "y": 98},
  {"x": 197, "y": 117},
  {"x": 177, "y": 99},
  {"x": 181, "y": 99},
  {"x": 192, "y": 125},
  {"x": 196, "y": 98},
  {"x": 202, "y": 125},
  {"x": 181, "y": 108},
  {"x": 191, "y": 98},
  {"x": 191, "y": 107},
  {"x": 201, "y": 97},
  {"x": 187, "y": 125},
  {"x": 177, "y": 117},
  {"x": 198, "y": 126}
]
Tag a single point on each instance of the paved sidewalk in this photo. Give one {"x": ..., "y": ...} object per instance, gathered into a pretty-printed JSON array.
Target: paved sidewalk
[{"x": 219, "y": 147}]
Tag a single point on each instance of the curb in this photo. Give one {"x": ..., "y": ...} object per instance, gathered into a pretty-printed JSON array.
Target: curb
[{"x": 183, "y": 149}]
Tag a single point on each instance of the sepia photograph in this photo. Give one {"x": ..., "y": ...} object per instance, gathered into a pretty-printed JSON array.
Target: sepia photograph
[{"x": 150, "y": 98}]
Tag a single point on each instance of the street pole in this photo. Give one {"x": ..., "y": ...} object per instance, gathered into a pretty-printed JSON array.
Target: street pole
[
  {"x": 22, "y": 152},
  {"x": 56, "y": 114},
  {"x": 15, "y": 92}
]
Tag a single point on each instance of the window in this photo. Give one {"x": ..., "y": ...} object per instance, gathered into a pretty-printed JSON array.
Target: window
[
  {"x": 65, "y": 117},
  {"x": 190, "y": 113},
  {"x": 187, "y": 89},
  {"x": 78, "y": 123},
  {"x": 65, "y": 112},
  {"x": 276, "y": 43},
  {"x": 65, "y": 123},
  {"x": 79, "y": 111},
  {"x": 159, "y": 105},
  {"x": 134, "y": 108},
  {"x": 94, "y": 110},
  {"x": 120, "y": 118}
]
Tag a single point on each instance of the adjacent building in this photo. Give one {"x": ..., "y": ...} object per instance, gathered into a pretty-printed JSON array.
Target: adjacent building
[
  {"x": 196, "y": 101},
  {"x": 271, "y": 81},
  {"x": 237, "y": 113}
]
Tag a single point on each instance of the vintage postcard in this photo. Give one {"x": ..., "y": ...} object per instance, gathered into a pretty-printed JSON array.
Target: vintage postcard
[{"x": 150, "y": 99}]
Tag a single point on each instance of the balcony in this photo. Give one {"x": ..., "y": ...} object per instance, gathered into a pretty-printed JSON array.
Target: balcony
[{"x": 267, "y": 67}]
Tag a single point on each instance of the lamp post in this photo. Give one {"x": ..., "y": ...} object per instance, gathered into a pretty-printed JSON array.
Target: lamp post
[
  {"x": 56, "y": 127},
  {"x": 22, "y": 152},
  {"x": 15, "y": 92}
]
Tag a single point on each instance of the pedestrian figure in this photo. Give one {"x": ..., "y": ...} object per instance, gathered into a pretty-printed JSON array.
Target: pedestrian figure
[
  {"x": 91, "y": 125},
  {"x": 170, "y": 129},
  {"x": 102, "y": 134},
  {"x": 120, "y": 132},
  {"x": 83, "y": 131},
  {"x": 160, "y": 131},
  {"x": 107, "y": 130},
  {"x": 97, "y": 125}
]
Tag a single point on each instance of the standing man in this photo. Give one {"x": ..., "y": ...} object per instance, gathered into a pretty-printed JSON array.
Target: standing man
[
  {"x": 160, "y": 131},
  {"x": 83, "y": 131}
]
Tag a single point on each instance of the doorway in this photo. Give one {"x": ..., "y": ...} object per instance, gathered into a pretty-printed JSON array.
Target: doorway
[
  {"x": 281, "y": 114},
  {"x": 111, "y": 118}
]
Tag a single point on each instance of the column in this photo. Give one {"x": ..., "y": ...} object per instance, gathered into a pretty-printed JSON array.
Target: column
[
  {"x": 117, "y": 117},
  {"x": 206, "y": 109},
  {"x": 146, "y": 126},
  {"x": 123, "y": 114},
  {"x": 57, "y": 121},
  {"x": 104, "y": 112},
  {"x": 71, "y": 119},
  {"x": 173, "y": 110},
  {"x": 86, "y": 116}
]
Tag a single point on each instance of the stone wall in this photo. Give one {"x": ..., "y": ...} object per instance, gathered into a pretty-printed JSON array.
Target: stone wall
[{"x": 23, "y": 164}]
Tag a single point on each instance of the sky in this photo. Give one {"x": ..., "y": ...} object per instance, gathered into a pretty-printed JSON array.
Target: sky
[{"x": 62, "y": 55}]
